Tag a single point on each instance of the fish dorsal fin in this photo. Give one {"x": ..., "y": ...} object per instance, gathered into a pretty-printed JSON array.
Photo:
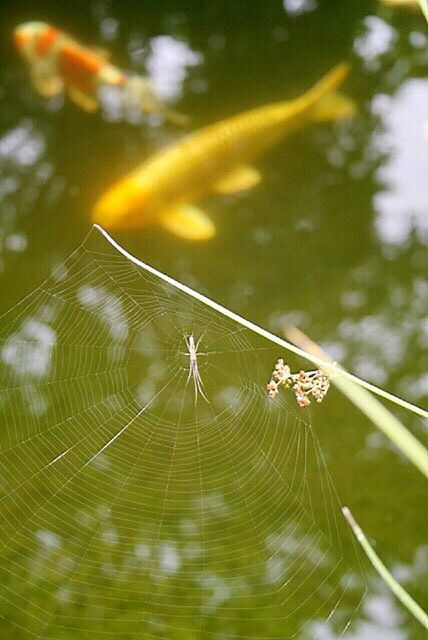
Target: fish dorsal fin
[
  {"x": 82, "y": 100},
  {"x": 240, "y": 179},
  {"x": 188, "y": 222}
]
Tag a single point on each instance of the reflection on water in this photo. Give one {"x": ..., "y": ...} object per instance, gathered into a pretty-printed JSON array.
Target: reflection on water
[
  {"x": 166, "y": 62},
  {"x": 382, "y": 616},
  {"x": 167, "y": 65},
  {"x": 108, "y": 309},
  {"x": 380, "y": 332},
  {"x": 22, "y": 146},
  {"x": 382, "y": 620},
  {"x": 28, "y": 350},
  {"x": 297, "y": 7},
  {"x": 378, "y": 38},
  {"x": 402, "y": 207},
  {"x": 24, "y": 170}
]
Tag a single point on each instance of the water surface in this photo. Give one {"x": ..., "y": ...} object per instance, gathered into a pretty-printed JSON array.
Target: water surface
[{"x": 203, "y": 540}]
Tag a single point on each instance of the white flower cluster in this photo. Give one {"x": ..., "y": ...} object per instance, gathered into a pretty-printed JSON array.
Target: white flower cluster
[{"x": 304, "y": 384}]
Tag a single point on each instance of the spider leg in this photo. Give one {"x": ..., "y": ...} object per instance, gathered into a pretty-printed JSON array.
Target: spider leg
[
  {"x": 200, "y": 385},
  {"x": 195, "y": 387},
  {"x": 190, "y": 373}
]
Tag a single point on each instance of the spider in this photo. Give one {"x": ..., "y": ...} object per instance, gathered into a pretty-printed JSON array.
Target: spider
[{"x": 192, "y": 352}]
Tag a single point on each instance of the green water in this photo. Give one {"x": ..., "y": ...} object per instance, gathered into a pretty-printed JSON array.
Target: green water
[{"x": 220, "y": 520}]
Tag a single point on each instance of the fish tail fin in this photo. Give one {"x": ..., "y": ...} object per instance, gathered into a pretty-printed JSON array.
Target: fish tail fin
[
  {"x": 331, "y": 80},
  {"x": 334, "y": 106},
  {"x": 328, "y": 104},
  {"x": 140, "y": 94}
]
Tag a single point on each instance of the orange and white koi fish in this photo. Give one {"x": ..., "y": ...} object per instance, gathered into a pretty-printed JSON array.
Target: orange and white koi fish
[
  {"x": 58, "y": 63},
  {"x": 214, "y": 159}
]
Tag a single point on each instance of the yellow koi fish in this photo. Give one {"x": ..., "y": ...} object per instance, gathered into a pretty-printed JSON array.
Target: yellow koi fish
[
  {"x": 213, "y": 160},
  {"x": 58, "y": 63}
]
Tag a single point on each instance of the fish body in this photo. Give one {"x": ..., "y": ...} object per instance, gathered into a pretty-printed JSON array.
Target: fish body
[
  {"x": 215, "y": 159},
  {"x": 59, "y": 63}
]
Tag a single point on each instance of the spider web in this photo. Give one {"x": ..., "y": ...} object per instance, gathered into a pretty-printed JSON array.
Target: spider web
[{"x": 129, "y": 508}]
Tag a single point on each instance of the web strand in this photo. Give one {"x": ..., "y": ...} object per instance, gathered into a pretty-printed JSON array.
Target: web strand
[{"x": 125, "y": 503}]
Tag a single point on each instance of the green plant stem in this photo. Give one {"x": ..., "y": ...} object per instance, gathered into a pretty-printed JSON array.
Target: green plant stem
[
  {"x": 259, "y": 330},
  {"x": 424, "y": 8},
  {"x": 369, "y": 405},
  {"x": 384, "y": 573}
]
